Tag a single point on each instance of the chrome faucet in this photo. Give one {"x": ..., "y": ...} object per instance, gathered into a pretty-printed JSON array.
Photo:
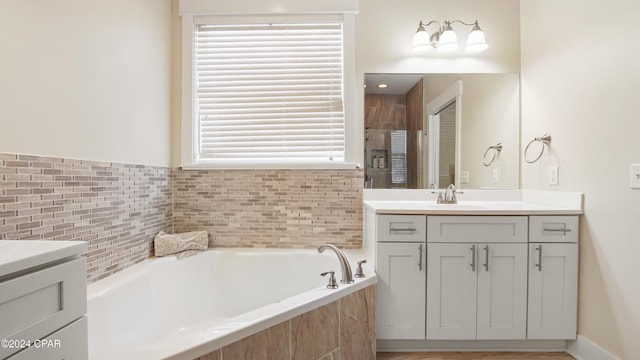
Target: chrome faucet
[
  {"x": 449, "y": 196},
  {"x": 347, "y": 277}
]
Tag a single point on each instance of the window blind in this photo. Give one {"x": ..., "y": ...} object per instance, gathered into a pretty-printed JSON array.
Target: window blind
[{"x": 269, "y": 92}]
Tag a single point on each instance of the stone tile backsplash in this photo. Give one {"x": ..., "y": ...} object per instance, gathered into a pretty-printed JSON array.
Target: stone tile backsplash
[
  {"x": 118, "y": 208},
  {"x": 271, "y": 208}
]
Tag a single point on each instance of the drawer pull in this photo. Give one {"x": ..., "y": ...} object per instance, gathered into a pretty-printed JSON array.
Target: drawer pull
[
  {"x": 402, "y": 230},
  {"x": 563, "y": 230},
  {"x": 473, "y": 258},
  {"x": 539, "y": 264}
]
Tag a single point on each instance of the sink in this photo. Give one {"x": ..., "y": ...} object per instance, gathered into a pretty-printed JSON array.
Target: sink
[{"x": 459, "y": 206}]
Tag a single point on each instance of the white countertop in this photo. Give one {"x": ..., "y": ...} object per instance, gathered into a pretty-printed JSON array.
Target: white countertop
[
  {"x": 468, "y": 208},
  {"x": 475, "y": 202},
  {"x": 18, "y": 255}
]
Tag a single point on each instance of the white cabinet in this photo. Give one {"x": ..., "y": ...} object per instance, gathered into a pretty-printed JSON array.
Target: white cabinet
[
  {"x": 553, "y": 277},
  {"x": 401, "y": 291},
  {"x": 476, "y": 291},
  {"x": 479, "y": 277},
  {"x": 43, "y": 300},
  {"x": 400, "y": 266}
]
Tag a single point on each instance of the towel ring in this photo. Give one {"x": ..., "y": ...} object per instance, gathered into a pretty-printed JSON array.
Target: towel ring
[
  {"x": 545, "y": 140},
  {"x": 497, "y": 148}
]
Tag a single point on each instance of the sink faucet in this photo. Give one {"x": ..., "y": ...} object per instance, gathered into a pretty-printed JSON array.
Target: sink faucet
[
  {"x": 449, "y": 196},
  {"x": 347, "y": 277}
]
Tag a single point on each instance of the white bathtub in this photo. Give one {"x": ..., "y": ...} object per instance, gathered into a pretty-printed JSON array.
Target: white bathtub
[{"x": 163, "y": 308}]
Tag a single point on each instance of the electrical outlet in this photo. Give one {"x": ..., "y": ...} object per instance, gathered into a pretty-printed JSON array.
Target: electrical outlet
[
  {"x": 495, "y": 176},
  {"x": 464, "y": 177},
  {"x": 553, "y": 175},
  {"x": 634, "y": 176}
]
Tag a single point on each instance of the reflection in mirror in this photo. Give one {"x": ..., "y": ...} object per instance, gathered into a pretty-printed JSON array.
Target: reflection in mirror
[{"x": 423, "y": 129}]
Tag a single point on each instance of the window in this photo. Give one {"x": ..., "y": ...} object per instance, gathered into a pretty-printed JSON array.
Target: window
[{"x": 268, "y": 93}]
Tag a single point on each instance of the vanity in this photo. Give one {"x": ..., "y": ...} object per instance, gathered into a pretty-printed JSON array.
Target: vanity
[
  {"x": 496, "y": 271},
  {"x": 43, "y": 300}
]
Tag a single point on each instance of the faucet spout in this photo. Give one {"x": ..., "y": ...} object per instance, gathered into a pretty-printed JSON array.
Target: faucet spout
[{"x": 347, "y": 277}]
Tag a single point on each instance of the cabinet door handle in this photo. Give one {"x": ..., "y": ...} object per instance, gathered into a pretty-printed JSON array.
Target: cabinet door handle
[
  {"x": 473, "y": 258},
  {"x": 420, "y": 257},
  {"x": 486, "y": 258},
  {"x": 539, "y": 264}
]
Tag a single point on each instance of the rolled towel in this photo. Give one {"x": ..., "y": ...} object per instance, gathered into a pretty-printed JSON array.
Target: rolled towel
[{"x": 182, "y": 245}]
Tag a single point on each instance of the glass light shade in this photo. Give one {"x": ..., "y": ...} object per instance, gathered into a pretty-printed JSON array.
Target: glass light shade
[
  {"x": 448, "y": 40},
  {"x": 476, "y": 41},
  {"x": 421, "y": 40}
]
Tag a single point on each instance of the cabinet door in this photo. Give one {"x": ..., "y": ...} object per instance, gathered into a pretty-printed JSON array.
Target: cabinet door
[
  {"x": 553, "y": 291},
  {"x": 400, "y": 309},
  {"x": 451, "y": 291},
  {"x": 502, "y": 291}
]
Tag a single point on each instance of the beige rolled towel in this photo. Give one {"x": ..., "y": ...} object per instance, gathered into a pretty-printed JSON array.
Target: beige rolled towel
[{"x": 180, "y": 245}]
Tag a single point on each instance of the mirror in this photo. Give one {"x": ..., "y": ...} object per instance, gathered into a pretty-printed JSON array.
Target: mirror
[{"x": 441, "y": 129}]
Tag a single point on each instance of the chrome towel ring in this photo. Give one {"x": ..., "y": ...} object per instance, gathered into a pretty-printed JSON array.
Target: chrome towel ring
[
  {"x": 496, "y": 150},
  {"x": 545, "y": 140}
]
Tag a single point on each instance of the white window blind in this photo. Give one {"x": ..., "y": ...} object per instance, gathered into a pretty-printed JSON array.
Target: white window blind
[{"x": 269, "y": 93}]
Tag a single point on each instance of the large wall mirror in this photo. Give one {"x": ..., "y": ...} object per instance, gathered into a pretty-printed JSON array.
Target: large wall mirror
[{"x": 424, "y": 130}]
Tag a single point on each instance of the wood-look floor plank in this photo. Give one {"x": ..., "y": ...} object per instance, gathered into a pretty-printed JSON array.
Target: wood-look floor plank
[{"x": 475, "y": 356}]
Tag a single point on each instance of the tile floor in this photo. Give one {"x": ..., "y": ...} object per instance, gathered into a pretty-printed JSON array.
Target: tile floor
[{"x": 475, "y": 356}]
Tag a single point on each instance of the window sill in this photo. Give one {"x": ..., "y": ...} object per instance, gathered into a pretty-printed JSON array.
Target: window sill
[{"x": 272, "y": 166}]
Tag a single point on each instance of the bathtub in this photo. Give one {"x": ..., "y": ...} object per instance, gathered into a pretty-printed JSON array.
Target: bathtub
[{"x": 164, "y": 308}]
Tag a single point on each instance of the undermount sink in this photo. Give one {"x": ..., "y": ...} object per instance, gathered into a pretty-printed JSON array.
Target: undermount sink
[{"x": 459, "y": 206}]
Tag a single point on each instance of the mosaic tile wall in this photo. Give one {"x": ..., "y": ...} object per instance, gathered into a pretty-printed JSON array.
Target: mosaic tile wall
[
  {"x": 116, "y": 208},
  {"x": 271, "y": 208}
]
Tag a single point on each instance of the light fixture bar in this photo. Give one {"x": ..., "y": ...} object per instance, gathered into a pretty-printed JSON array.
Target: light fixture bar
[{"x": 445, "y": 39}]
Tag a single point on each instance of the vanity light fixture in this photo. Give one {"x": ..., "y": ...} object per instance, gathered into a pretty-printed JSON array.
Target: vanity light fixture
[{"x": 444, "y": 39}]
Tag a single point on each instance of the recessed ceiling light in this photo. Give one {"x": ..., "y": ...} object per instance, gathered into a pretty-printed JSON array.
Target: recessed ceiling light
[{"x": 383, "y": 86}]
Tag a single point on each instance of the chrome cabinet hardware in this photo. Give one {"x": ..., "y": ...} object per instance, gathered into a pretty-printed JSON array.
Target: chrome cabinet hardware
[
  {"x": 332, "y": 280},
  {"x": 563, "y": 230},
  {"x": 403, "y": 229},
  {"x": 420, "y": 257},
  {"x": 486, "y": 258},
  {"x": 473, "y": 258},
  {"x": 359, "y": 271},
  {"x": 539, "y": 264}
]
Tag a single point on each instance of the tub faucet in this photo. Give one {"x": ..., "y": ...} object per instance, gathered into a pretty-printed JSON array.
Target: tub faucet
[{"x": 347, "y": 277}]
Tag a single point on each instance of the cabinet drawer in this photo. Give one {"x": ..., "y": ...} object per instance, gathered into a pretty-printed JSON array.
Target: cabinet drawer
[
  {"x": 68, "y": 343},
  {"x": 402, "y": 228},
  {"x": 485, "y": 229},
  {"x": 553, "y": 229},
  {"x": 39, "y": 303}
]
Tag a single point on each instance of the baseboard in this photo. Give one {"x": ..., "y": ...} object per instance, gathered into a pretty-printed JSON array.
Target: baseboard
[
  {"x": 469, "y": 345},
  {"x": 585, "y": 349}
]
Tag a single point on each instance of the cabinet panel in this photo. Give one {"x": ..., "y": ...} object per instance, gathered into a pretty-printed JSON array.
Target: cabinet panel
[
  {"x": 451, "y": 291},
  {"x": 38, "y": 303},
  {"x": 400, "y": 309},
  {"x": 562, "y": 229},
  {"x": 553, "y": 291},
  {"x": 477, "y": 229},
  {"x": 502, "y": 291},
  {"x": 402, "y": 228},
  {"x": 63, "y": 344}
]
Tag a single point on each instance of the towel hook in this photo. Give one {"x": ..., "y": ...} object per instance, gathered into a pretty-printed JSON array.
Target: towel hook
[
  {"x": 545, "y": 140},
  {"x": 497, "y": 148}
]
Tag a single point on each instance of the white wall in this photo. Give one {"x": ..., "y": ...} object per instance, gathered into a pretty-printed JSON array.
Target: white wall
[
  {"x": 86, "y": 79},
  {"x": 580, "y": 83}
]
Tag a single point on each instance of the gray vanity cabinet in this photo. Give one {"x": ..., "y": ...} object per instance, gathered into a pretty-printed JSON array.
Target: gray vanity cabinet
[
  {"x": 401, "y": 270},
  {"x": 553, "y": 277},
  {"x": 476, "y": 277}
]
